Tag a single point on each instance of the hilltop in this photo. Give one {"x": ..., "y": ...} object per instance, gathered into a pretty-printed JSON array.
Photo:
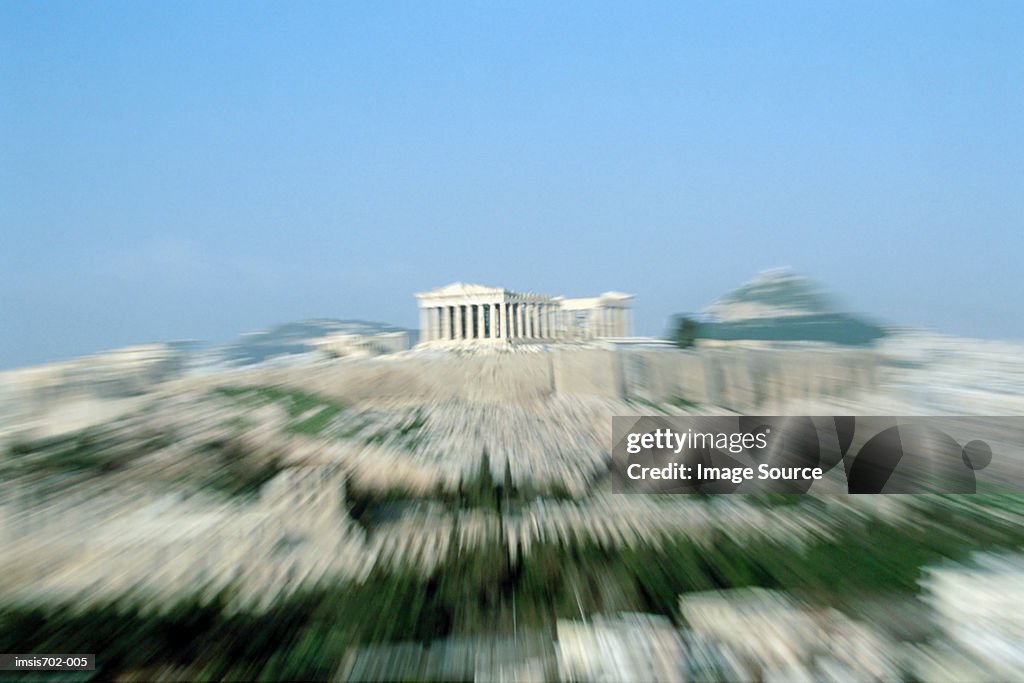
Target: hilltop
[
  {"x": 776, "y": 293},
  {"x": 290, "y": 339},
  {"x": 780, "y": 305}
]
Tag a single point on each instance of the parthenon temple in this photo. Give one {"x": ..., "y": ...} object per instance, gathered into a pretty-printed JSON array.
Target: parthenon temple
[{"x": 474, "y": 314}]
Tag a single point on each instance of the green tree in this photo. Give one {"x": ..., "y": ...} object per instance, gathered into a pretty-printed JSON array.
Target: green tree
[{"x": 685, "y": 331}]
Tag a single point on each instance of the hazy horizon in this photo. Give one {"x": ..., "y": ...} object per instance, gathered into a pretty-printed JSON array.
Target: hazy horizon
[
  {"x": 202, "y": 343},
  {"x": 195, "y": 171}
]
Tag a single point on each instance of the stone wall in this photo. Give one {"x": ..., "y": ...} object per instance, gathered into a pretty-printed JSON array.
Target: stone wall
[
  {"x": 745, "y": 379},
  {"x": 734, "y": 379},
  {"x": 729, "y": 378},
  {"x": 587, "y": 371}
]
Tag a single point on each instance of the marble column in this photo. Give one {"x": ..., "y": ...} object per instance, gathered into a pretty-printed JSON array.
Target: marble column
[
  {"x": 496, "y": 322},
  {"x": 479, "y": 308}
]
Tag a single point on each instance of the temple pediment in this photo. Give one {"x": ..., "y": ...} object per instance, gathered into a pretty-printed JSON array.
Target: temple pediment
[{"x": 462, "y": 289}]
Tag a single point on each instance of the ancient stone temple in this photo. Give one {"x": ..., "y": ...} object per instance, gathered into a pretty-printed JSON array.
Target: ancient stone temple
[{"x": 474, "y": 314}]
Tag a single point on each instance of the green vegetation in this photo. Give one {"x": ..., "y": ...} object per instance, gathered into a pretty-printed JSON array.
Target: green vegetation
[
  {"x": 229, "y": 470},
  {"x": 306, "y": 636},
  {"x": 411, "y": 433},
  {"x": 224, "y": 467},
  {"x": 680, "y": 402},
  {"x": 89, "y": 451},
  {"x": 310, "y": 413},
  {"x": 479, "y": 492},
  {"x": 685, "y": 331},
  {"x": 834, "y": 328},
  {"x": 646, "y": 403},
  {"x": 659, "y": 409}
]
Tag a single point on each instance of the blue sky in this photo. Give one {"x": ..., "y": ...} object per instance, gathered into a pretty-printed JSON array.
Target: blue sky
[{"x": 197, "y": 170}]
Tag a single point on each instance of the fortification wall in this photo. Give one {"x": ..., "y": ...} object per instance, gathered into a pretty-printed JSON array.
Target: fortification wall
[
  {"x": 746, "y": 379},
  {"x": 731, "y": 378},
  {"x": 587, "y": 371},
  {"x": 735, "y": 379}
]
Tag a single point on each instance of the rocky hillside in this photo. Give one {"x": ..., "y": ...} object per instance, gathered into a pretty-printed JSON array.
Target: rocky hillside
[
  {"x": 290, "y": 339},
  {"x": 780, "y": 305},
  {"x": 778, "y": 293}
]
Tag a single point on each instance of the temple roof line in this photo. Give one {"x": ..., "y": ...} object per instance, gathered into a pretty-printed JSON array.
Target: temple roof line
[{"x": 469, "y": 289}]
